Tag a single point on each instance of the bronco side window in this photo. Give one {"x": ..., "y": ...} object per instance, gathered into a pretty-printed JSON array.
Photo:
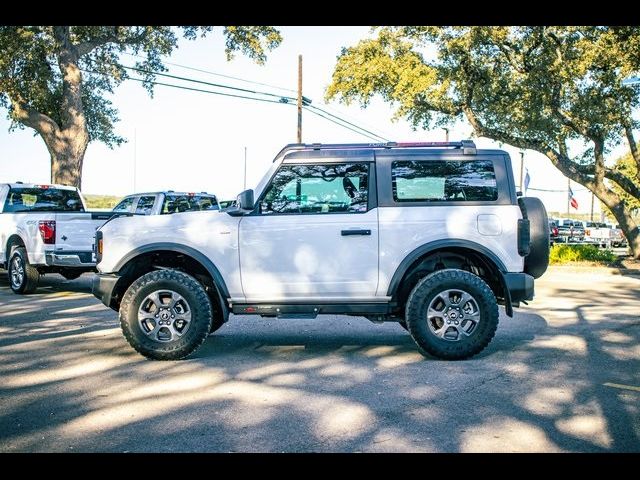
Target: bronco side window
[
  {"x": 331, "y": 188},
  {"x": 450, "y": 180}
]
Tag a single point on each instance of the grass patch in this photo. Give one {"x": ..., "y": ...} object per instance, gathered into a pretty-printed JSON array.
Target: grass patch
[
  {"x": 563, "y": 254},
  {"x": 101, "y": 201}
]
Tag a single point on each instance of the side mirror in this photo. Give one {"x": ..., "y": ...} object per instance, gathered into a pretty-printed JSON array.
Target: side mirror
[{"x": 244, "y": 201}]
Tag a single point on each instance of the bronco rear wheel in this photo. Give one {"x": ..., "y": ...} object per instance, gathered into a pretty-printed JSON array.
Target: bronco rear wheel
[{"x": 452, "y": 314}]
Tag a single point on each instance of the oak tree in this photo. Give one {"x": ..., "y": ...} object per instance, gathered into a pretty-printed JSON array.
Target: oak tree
[{"x": 53, "y": 79}]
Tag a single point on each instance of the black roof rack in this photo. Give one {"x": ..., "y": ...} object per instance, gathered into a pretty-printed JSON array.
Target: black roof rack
[{"x": 468, "y": 146}]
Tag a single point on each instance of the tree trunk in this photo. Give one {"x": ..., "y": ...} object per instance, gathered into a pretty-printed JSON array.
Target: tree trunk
[
  {"x": 70, "y": 141},
  {"x": 626, "y": 222},
  {"x": 67, "y": 154}
]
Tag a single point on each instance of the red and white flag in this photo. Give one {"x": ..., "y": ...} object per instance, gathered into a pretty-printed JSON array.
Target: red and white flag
[{"x": 572, "y": 200}]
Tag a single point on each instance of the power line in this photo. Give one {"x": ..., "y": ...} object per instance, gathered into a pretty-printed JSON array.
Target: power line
[
  {"x": 218, "y": 74},
  {"x": 219, "y": 85},
  {"x": 349, "y": 123},
  {"x": 352, "y": 118},
  {"x": 255, "y": 83},
  {"x": 176, "y": 77},
  {"x": 281, "y": 99},
  {"x": 558, "y": 191},
  {"x": 182, "y": 87},
  {"x": 345, "y": 126}
]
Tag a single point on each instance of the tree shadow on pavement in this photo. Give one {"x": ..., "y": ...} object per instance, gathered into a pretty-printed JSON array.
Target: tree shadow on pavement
[{"x": 332, "y": 384}]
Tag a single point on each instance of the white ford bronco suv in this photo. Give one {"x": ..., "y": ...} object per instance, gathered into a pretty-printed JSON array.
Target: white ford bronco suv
[{"x": 430, "y": 235}]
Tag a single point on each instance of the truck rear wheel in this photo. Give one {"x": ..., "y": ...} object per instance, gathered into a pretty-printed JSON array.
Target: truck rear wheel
[
  {"x": 23, "y": 277},
  {"x": 452, "y": 314},
  {"x": 165, "y": 315}
]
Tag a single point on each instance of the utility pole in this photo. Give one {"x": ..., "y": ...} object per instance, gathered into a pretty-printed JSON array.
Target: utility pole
[
  {"x": 446, "y": 135},
  {"x": 521, "y": 170},
  {"x": 135, "y": 155},
  {"x": 592, "y": 196},
  {"x": 245, "y": 168},
  {"x": 299, "y": 98}
]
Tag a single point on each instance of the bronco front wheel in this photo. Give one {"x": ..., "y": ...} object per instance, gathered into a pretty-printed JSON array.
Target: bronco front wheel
[{"x": 165, "y": 315}]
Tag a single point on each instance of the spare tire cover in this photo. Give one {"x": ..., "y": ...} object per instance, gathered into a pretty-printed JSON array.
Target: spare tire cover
[{"x": 536, "y": 263}]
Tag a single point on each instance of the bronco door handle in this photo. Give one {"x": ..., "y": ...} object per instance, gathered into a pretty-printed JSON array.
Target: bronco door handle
[{"x": 346, "y": 233}]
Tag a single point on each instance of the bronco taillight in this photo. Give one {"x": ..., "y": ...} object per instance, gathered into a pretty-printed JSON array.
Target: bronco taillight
[
  {"x": 47, "y": 231},
  {"x": 524, "y": 237}
]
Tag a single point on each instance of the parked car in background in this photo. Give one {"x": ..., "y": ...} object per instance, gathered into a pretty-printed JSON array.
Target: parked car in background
[
  {"x": 554, "y": 236},
  {"x": 227, "y": 203},
  {"x": 570, "y": 230},
  {"x": 162, "y": 203},
  {"x": 598, "y": 233},
  {"x": 45, "y": 229},
  {"x": 617, "y": 237}
]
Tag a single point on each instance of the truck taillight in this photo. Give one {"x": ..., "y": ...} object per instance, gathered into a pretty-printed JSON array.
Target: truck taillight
[
  {"x": 98, "y": 246},
  {"x": 47, "y": 231}
]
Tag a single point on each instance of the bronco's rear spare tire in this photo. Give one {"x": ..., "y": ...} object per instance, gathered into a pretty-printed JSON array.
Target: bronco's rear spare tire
[
  {"x": 536, "y": 263},
  {"x": 165, "y": 315}
]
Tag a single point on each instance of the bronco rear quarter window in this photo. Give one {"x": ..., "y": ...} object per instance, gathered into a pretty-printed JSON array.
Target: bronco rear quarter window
[{"x": 444, "y": 181}]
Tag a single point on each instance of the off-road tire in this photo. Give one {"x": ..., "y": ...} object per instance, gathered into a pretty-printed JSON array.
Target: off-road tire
[
  {"x": 31, "y": 276},
  {"x": 427, "y": 289},
  {"x": 199, "y": 303}
]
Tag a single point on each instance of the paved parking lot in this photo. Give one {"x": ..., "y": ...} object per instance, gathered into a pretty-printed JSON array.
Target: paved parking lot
[{"x": 564, "y": 375}]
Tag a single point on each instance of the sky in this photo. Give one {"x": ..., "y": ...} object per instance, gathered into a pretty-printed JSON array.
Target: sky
[{"x": 191, "y": 141}]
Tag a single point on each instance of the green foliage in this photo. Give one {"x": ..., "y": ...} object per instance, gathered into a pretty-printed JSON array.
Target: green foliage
[
  {"x": 562, "y": 253},
  {"x": 627, "y": 166},
  {"x": 527, "y": 81},
  {"x": 30, "y": 71},
  {"x": 101, "y": 201}
]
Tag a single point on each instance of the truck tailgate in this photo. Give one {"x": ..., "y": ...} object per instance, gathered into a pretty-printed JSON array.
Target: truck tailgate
[{"x": 76, "y": 231}]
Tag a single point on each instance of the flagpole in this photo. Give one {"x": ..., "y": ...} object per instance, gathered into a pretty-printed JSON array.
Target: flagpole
[
  {"x": 568, "y": 195},
  {"x": 521, "y": 170}
]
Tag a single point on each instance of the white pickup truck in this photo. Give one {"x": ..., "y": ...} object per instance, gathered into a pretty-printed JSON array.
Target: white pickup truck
[
  {"x": 606, "y": 236},
  {"x": 45, "y": 229}
]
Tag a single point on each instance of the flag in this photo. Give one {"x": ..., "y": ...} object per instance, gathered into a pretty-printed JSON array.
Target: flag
[
  {"x": 572, "y": 200},
  {"x": 527, "y": 179}
]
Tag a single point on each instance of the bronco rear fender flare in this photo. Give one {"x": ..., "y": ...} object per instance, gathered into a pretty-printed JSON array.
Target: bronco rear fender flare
[{"x": 422, "y": 250}]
